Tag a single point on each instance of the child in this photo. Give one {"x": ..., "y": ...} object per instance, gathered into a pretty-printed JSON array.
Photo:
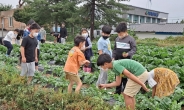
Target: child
[
  {"x": 27, "y": 29},
  {"x": 29, "y": 52},
  {"x": 56, "y": 40},
  {"x": 87, "y": 51},
  {"x": 38, "y": 50},
  {"x": 163, "y": 81},
  {"x": 8, "y": 39},
  {"x": 43, "y": 35},
  {"x": 19, "y": 36},
  {"x": 104, "y": 46},
  {"x": 124, "y": 48},
  {"x": 134, "y": 71},
  {"x": 74, "y": 61}
]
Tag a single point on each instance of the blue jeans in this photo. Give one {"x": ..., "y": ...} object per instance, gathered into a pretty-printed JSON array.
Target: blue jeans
[{"x": 9, "y": 46}]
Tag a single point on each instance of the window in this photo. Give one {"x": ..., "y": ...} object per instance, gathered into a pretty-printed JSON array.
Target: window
[
  {"x": 10, "y": 21},
  {"x": 98, "y": 32}
]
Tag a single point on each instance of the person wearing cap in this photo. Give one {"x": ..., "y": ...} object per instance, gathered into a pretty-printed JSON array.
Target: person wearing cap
[
  {"x": 163, "y": 81},
  {"x": 8, "y": 39}
]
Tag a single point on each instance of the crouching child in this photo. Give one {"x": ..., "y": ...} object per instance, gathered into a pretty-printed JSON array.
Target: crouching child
[{"x": 134, "y": 71}]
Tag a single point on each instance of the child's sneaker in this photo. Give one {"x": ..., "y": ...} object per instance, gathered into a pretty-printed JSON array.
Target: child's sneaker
[{"x": 7, "y": 55}]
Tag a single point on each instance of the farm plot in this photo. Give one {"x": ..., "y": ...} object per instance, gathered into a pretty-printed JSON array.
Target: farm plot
[{"x": 52, "y": 59}]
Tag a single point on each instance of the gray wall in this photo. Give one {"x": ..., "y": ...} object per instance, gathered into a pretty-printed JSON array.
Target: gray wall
[{"x": 142, "y": 11}]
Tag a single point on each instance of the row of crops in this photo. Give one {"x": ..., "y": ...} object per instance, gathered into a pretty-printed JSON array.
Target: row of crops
[{"x": 53, "y": 57}]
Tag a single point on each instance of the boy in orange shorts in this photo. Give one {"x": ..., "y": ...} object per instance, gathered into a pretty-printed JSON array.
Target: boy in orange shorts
[{"x": 75, "y": 59}]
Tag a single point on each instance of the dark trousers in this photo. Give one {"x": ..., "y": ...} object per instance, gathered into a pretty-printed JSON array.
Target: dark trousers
[
  {"x": 119, "y": 88},
  {"x": 59, "y": 40},
  {"x": 38, "y": 54},
  {"x": 9, "y": 46},
  {"x": 42, "y": 41},
  {"x": 1, "y": 40}
]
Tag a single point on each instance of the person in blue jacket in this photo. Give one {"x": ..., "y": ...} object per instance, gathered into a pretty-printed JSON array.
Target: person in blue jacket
[{"x": 27, "y": 29}]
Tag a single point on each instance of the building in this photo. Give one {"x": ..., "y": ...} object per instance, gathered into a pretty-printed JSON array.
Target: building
[
  {"x": 142, "y": 15},
  {"x": 160, "y": 28},
  {"x": 7, "y": 21}
]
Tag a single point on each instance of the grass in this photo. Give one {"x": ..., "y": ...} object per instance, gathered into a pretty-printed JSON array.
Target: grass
[
  {"x": 16, "y": 95},
  {"x": 52, "y": 38},
  {"x": 170, "y": 41}
]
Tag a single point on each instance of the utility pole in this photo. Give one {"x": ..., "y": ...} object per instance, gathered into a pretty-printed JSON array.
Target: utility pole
[{"x": 2, "y": 27}]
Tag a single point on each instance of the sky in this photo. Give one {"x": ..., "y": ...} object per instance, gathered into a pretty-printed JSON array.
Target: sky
[{"x": 173, "y": 7}]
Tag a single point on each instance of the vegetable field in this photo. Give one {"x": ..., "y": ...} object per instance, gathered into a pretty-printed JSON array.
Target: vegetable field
[{"x": 49, "y": 87}]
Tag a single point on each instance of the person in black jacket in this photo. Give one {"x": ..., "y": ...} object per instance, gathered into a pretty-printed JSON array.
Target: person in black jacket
[
  {"x": 63, "y": 34},
  {"x": 124, "y": 48}
]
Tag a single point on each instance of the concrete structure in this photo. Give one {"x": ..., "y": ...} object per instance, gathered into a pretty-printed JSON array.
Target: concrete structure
[
  {"x": 161, "y": 28},
  {"x": 140, "y": 15},
  {"x": 137, "y": 16},
  {"x": 7, "y": 21}
]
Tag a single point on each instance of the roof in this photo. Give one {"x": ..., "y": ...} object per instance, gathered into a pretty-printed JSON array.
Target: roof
[
  {"x": 162, "y": 27},
  {"x": 7, "y": 13}
]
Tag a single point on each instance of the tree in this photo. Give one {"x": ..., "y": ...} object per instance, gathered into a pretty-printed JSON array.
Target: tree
[
  {"x": 78, "y": 13},
  {"x": 182, "y": 21},
  {"x": 47, "y": 11},
  {"x": 21, "y": 3},
  {"x": 102, "y": 12},
  {"x": 24, "y": 15},
  {"x": 5, "y": 7}
]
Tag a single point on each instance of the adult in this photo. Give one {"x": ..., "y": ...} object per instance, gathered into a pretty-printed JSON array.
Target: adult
[
  {"x": 63, "y": 33},
  {"x": 43, "y": 34},
  {"x": 88, "y": 49},
  {"x": 8, "y": 39}
]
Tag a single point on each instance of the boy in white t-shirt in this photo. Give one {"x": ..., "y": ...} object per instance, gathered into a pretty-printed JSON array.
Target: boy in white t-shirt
[{"x": 8, "y": 39}]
